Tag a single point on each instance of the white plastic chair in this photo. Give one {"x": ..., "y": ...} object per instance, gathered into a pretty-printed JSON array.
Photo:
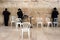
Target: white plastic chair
[
  {"x": 55, "y": 22},
  {"x": 48, "y": 22},
  {"x": 18, "y": 22},
  {"x": 26, "y": 28},
  {"x": 39, "y": 21},
  {"x": 13, "y": 20}
]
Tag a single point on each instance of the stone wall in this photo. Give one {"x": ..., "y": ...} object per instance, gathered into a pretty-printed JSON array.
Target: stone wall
[{"x": 35, "y": 8}]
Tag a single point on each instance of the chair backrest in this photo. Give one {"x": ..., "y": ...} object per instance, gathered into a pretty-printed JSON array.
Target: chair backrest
[
  {"x": 13, "y": 18},
  {"x": 18, "y": 19},
  {"x": 39, "y": 19},
  {"x": 26, "y": 24},
  {"x": 48, "y": 19}
]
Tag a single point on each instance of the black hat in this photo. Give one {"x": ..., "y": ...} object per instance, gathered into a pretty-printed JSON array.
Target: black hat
[
  {"x": 19, "y": 9},
  {"x": 55, "y": 8},
  {"x": 5, "y": 8}
]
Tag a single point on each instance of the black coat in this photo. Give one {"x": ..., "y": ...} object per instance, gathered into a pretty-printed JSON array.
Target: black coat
[
  {"x": 20, "y": 14},
  {"x": 54, "y": 14},
  {"x": 6, "y": 15}
]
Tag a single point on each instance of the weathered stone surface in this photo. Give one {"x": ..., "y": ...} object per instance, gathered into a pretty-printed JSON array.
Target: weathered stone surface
[
  {"x": 35, "y": 8},
  {"x": 30, "y": 3}
]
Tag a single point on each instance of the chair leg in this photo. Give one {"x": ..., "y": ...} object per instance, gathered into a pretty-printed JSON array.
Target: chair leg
[
  {"x": 55, "y": 25},
  {"x": 48, "y": 25},
  {"x": 22, "y": 35},
  {"x": 17, "y": 27},
  {"x": 29, "y": 34},
  {"x": 11, "y": 24},
  {"x": 37, "y": 25}
]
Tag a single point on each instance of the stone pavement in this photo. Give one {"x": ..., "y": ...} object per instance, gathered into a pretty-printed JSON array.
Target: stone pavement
[{"x": 45, "y": 33}]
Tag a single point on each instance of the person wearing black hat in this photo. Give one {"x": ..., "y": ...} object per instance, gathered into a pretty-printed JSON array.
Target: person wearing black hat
[
  {"x": 54, "y": 15},
  {"x": 6, "y": 14},
  {"x": 20, "y": 14}
]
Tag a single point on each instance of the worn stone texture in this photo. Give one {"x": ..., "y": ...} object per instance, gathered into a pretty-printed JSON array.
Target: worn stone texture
[
  {"x": 45, "y": 33},
  {"x": 35, "y": 8}
]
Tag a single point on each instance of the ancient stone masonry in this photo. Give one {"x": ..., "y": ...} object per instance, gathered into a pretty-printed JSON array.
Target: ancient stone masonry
[
  {"x": 35, "y": 8},
  {"x": 30, "y": 3}
]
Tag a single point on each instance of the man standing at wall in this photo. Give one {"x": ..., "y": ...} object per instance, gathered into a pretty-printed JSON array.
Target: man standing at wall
[
  {"x": 6, "y": 14},
  {"x": 20, "y": 14},
  {"x": 54, "y": 15}
]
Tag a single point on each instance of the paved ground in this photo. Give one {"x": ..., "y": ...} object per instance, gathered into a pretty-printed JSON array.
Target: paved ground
[{"x": 45, "y": 33}]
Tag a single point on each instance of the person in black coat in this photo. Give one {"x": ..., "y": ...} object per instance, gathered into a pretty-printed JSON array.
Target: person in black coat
[
  {"x": 20, "y": 14},
  {"x": 54, "y": 15},
  {"x": 6, "y": 14}
]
